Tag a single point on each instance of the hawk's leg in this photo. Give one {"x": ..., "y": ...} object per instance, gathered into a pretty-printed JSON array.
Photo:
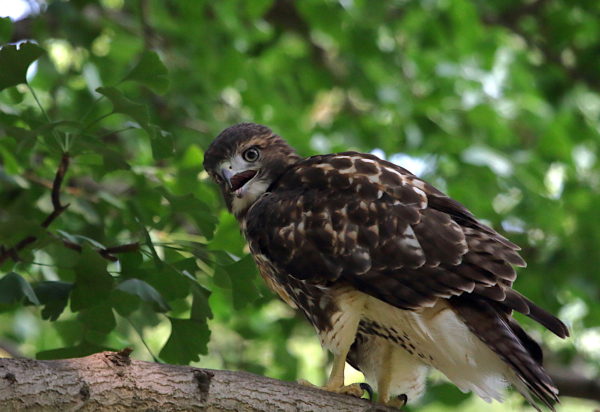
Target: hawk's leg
[
  {"x": 339, "y": 337},
  {"x": 336, "y": 377},
  {"x": 384, "y": 380}
]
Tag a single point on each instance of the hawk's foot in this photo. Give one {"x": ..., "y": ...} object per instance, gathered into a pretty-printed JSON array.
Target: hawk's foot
[
  {"x": 367, "y": 388},
  {"x": 397, "y": 402},
  {"x": 356, "y": 389}
]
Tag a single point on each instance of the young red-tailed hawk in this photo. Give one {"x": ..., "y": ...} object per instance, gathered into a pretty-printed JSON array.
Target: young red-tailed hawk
[{"x": 395, "y": 276}]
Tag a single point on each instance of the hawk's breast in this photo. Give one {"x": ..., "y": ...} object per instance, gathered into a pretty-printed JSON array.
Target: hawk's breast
[{"x": 316, "y": 302}]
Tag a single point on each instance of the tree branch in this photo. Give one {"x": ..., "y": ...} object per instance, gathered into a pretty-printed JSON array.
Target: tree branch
[
  {"x": 573, "y": 384},
  {"x": 111, "y": 381},
  {"x": 106, "y": 253}
]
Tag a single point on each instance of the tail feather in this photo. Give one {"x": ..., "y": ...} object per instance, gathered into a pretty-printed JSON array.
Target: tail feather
[
  {"x": 512, "y": 344},
  {"x": 514, "y": 300},
  {"x": 527, "y": 341}
]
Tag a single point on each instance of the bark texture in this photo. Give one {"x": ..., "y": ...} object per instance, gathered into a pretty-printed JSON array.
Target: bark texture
[{"x": 111, "y": 381}]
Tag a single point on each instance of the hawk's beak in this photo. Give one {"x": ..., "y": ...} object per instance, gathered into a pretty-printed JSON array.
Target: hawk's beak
[
  {"x": 236, "y": 181},
  {"x": 227, "y": 175}
]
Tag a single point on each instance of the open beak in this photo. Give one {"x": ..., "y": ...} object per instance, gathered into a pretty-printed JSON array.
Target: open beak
[{"x": 238, "y": 180}]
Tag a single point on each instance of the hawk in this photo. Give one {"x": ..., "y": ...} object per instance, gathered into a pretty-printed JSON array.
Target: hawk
[{"x": 395, "y": 276}]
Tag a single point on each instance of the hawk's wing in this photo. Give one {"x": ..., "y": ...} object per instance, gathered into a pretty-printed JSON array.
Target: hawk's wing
[{"x": 355, "y": 218}]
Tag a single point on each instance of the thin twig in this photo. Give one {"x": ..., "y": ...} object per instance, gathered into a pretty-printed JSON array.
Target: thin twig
[
  {"x": 141, "y": 336},
  {"x": 58, "y": 179},
  {"x": 95, "y": 121},
  {"x": 106, "y": 253},
  {"x": 91, "y": 108},
  {"x": 58, "y": 208},
  {"x": 129, "y": 247}
]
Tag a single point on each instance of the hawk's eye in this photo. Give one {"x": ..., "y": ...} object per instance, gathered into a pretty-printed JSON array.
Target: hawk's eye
[{"x": 251, "y": 155}]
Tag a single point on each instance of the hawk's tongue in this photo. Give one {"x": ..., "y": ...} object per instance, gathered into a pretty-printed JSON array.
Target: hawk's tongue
[{"x": 240, "y": 179}]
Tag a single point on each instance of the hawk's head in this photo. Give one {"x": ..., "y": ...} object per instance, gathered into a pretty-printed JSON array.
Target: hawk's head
[{"x": 244, "y": 160}]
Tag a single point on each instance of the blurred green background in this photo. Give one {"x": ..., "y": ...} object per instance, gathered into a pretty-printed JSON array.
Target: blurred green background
[{"x": 495, "y": 102}]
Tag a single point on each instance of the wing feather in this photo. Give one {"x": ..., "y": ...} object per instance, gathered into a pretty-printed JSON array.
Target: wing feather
[{"x": 354, "y": 218}]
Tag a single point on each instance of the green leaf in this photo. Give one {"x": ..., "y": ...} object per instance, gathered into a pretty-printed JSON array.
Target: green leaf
[
  {"x": 257, "y": 8},
  {"x": 221, "y": 277},
  {"x": 54, "y": 295},
  {"x": 113, "y": 160},
  {"x": 11, "y": 165},
  {"x": 124, "y": 303},
  {"x": 123, "y": 105},
  {"x": 200, "y": 308},
  {"x": 185, "y": 266},
  {"x": 188, "y": 339},
  {"x": 242, "y": 274},
  {"x": 130, "y": 262},
  {"x": 16, "y": 96},
  {"x": 99, "y": 318},
  {"x": 15, "y": 60},
  {"x": 13, "y": 288},
  {"x": 145, "y": 292},
  {"x": 6, "y": 29},
  {"x": 70, "y": 331},
  {"x": 137, "y": 211},
  {"x": 199, "y": 211},
  {"x": 17, "y": 227},
  {"x": 169, "y": 281},
  {"x": 92, "y": 282},
  {"x": 151, "y": 72},
  {"x": 162, "y": 143},
  {"x": 227, "y": 235},
  {"x": 239, "y": 276}
]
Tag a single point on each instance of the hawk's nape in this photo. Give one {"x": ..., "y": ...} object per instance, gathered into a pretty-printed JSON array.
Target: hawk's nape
[{"x": 395, "y": 276}]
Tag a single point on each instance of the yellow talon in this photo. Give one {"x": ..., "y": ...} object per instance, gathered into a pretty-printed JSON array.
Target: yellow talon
[{"x": 352, "y": 390}]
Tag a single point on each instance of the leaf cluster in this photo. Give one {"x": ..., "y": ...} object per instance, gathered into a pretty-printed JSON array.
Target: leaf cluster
[{"x": 496, "y": 103}]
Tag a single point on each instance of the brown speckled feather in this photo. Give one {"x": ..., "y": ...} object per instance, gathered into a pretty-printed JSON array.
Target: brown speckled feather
[
  {"x": 381, "y": 262},
  {"x": 357, "y": 218}
]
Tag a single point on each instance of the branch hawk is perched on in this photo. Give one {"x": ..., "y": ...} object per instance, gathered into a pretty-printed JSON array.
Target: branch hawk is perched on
[{"x": 395, "y": 276}]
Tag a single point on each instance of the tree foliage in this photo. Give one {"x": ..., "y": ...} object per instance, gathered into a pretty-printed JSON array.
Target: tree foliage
[{"x": 111, "y": 234}]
